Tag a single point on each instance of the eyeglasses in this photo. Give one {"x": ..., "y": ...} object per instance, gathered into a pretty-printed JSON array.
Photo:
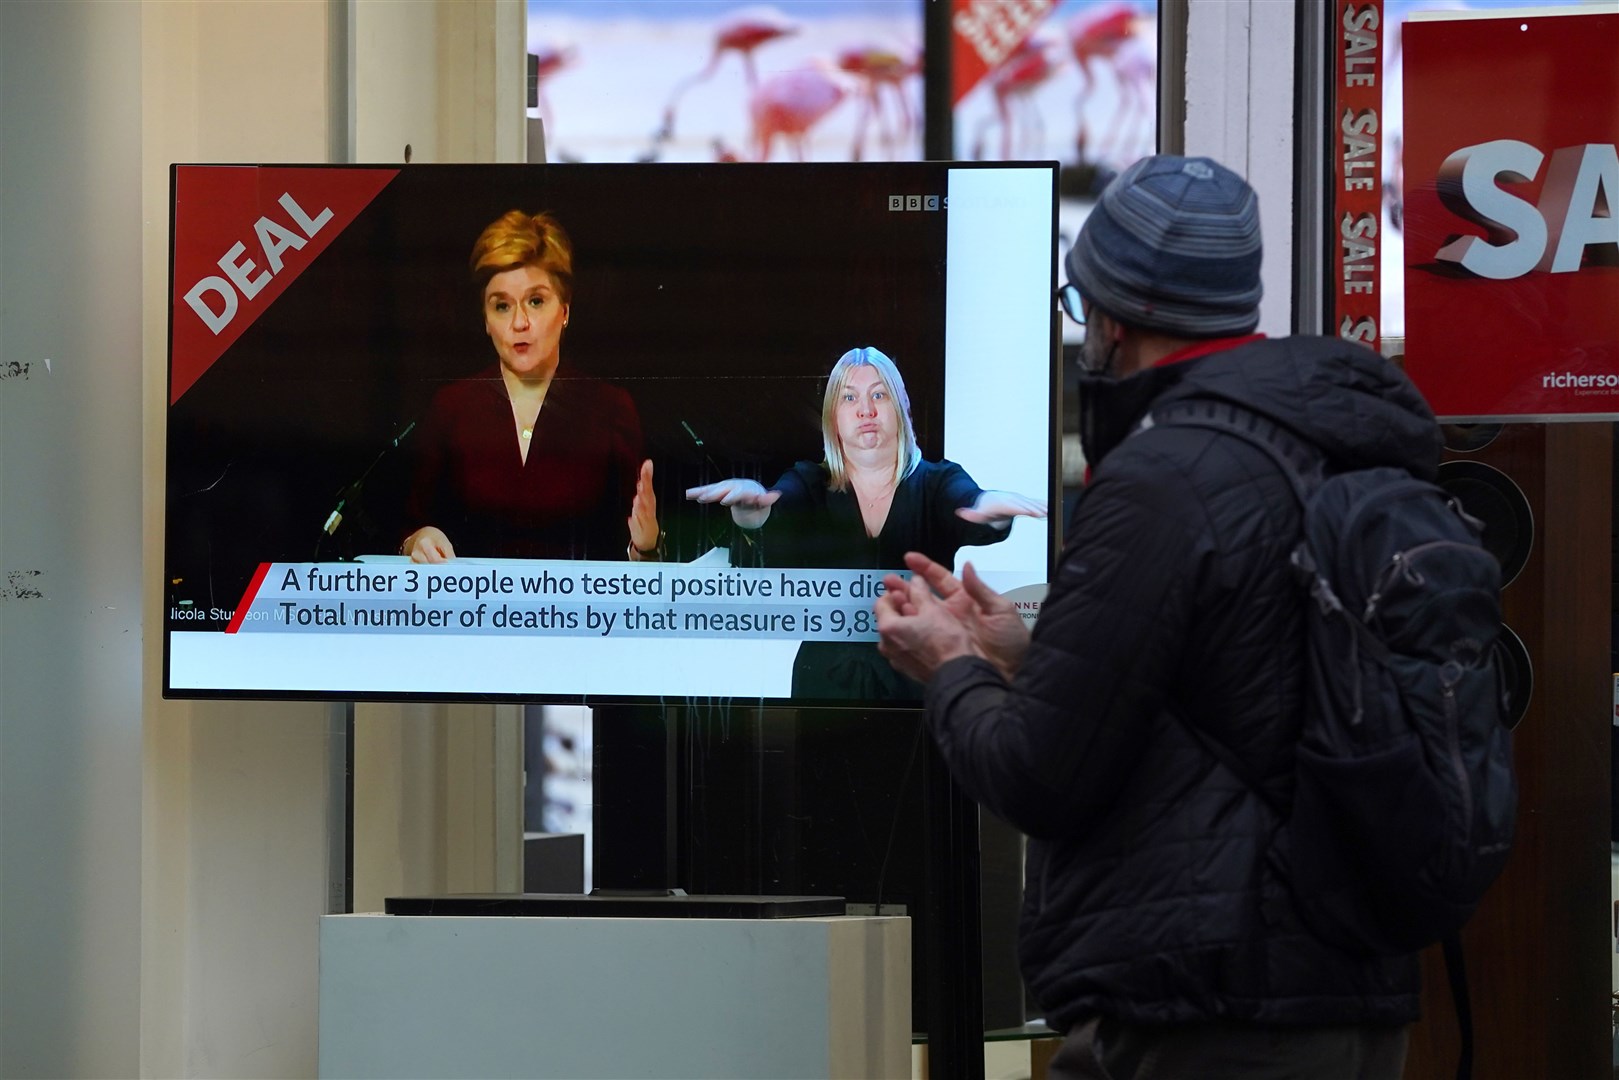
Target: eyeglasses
[{"x": 1073, "y": 304}]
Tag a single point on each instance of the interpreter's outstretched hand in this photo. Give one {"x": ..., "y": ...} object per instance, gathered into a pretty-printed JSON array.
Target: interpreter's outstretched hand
[
  {"x": 995, "y": 629},
  {"x": 998, "y": 508},
  {"x": 749, "y": 500},
  {"x": 644, "y": 516},
  {"x": 428, "y": 545}
]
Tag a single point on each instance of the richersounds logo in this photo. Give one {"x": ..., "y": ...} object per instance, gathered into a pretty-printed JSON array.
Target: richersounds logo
[{"x": 1582, "y": 385}]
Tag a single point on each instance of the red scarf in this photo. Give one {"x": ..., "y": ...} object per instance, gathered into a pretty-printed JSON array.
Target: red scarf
[{"x": 1204, "y": 348}]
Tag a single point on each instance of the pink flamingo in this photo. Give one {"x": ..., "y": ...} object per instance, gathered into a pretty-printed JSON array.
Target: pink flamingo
[
  {"x": 1095, "y": 36},
  {"x": 1135, "y": 69},
  {"x": 879, "y": 70},
  {"x": 741, "y": 32},
  {"x": 1013, "y": 83},
  {"x": 551, "y": 58},
  {"x": 791, "y": 103}
]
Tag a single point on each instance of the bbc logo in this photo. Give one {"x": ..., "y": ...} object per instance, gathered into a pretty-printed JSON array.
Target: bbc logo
[{"x": 913, "y": 202}]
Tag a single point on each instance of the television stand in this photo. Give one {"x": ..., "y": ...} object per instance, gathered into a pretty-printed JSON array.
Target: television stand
[
  {"x": 600, "y": 999},
  {"x": 618, "y": 903}
]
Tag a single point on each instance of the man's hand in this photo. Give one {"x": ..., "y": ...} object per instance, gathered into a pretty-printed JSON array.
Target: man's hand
[
  {"x": 917, "y": 633},
  {"x": 993, "y": 625}
]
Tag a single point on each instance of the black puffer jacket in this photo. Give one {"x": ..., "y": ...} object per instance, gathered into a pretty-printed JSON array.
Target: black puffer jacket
[{"x": 1148, "y": 896}]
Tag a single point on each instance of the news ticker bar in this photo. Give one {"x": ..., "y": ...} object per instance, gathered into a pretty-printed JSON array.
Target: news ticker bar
[{"x": 565, "y": 599}]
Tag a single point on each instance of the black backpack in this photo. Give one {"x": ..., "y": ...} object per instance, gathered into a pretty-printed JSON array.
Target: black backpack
[{"x": 1405, "y": 797}]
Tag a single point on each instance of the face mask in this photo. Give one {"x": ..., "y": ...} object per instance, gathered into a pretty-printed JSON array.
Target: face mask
[
  {"x": 1098, "y": 361},
  {"x": 1096, "y": 357}
]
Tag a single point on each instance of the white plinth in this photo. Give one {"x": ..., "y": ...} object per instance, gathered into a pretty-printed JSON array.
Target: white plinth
[{"x": 443, "y": 996}]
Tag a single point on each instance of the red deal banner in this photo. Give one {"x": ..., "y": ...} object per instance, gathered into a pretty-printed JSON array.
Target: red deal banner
[
  {"x": 986, "y": 32},
  {"x": 1357, "y": 183},
  {"x": 1512, "y": 215},
  {"x": 241, "y": 234}
]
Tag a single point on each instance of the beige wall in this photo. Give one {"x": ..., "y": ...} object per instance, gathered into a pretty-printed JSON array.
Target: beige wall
[
  {"x": 438, "y": 802},
  {"x": 235, "y": 809},
  {"x": 438, "y": 77},
  {"x": 70, "y": 724}
]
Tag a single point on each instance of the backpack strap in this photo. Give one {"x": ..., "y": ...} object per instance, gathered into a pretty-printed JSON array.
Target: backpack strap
[
  {"x": 1302, "y": 463},
  {"x": 1457, "y": 971},
  {"x": 1305, "y": 467}
]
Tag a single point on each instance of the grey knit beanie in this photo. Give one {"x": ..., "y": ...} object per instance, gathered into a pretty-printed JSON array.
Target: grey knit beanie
[{"x": 1173, "y": 245}]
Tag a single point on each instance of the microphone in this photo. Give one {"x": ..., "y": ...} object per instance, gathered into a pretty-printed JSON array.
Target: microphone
[
  {"x": 702, "y": 447},
  {"x": 715, "y": 537},
  {"x": 350, "y": 493}
]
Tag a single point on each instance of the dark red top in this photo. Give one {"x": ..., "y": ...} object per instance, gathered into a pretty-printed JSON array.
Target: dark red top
[{"x": 570, "y": 500}]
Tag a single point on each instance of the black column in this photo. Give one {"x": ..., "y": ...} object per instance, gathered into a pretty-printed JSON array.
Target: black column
[
  {"x": 955, "y": 1012},
  {"x": 938, "y": 127},
  {"x": 634, "y": 787},
  {"x": 955, "y": 1020}
]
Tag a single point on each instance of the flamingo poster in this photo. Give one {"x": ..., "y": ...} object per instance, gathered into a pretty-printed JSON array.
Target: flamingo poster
[
  {"x": 814, "y": 80},
  {"x": 1079, "y": 88},
  {"x": 716, "y": 80}
]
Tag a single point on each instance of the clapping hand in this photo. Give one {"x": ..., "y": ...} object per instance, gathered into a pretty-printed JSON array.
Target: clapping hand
[
  {"x": 749, "y": 501},
  {"x": 986, "y": 621},
  {"x": 916, "y": 631}
]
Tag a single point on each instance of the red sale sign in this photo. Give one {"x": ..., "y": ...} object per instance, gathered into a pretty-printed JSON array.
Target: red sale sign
[
  {"x": 1512, "y": 215},
  {"x": 244, "y": 234},
  {"x": 1357, "y": 188}
]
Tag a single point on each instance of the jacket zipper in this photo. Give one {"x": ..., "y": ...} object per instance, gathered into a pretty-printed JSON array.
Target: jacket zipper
[{"x": 1401, "y": 563}]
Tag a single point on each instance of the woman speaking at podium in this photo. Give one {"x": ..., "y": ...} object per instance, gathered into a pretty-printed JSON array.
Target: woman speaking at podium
[
  {"x": 521, "y": 460},
  {"x": 863, "y": 506}
]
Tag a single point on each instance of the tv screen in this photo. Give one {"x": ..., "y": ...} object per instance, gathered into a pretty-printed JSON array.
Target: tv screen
[{"x": 596, "y": 432}]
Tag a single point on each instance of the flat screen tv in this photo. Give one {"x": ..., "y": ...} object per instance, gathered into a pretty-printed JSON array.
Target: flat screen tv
[{"x": 373, "y": 364}]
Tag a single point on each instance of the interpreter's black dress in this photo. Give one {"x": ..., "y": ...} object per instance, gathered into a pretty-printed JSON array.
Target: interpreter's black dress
[{"x": 811, "y": 526}]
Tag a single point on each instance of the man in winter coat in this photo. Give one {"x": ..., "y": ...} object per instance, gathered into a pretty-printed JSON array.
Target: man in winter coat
[{"x": 1162, "y": 683}]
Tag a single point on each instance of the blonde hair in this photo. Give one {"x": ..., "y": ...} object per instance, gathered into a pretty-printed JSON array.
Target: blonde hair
[
  {"x": 907, "y": 454},
  {"x": 517, "y": 239}
]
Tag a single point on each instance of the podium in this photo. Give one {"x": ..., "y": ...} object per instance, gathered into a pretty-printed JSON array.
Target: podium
[{"x": 542, "y": 997}]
